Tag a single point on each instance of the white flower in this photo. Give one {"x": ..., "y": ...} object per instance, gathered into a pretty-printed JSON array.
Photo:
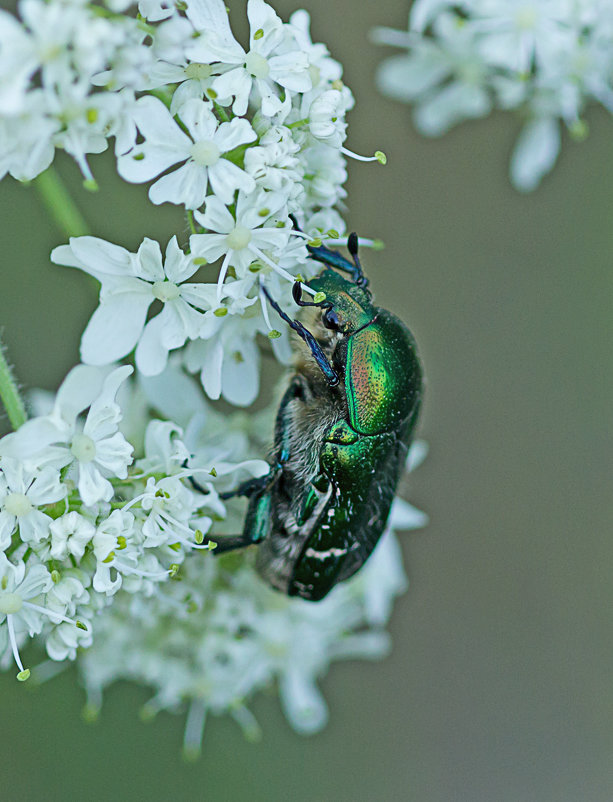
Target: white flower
[
  {"x": 117, "y": 533},
  {"x": 244, "y": 237},
  {"x": 165, "y": 144},
  {"x": 273, "y": 58},
  {"x": 95, "y": 451},
  {"x": 326, "y": 117},
  {"x": 229, "y": 362},
  {"x": 69, "y": 535},
  {"x": 19, "y": 584},
  {"x": 545, "y": 58},
  {"x": 22, "y": 491},
  {"x": 130, "y": 284}
]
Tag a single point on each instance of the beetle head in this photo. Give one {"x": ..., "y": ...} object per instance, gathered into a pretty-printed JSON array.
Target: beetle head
[{"x": 347, "y": 307}]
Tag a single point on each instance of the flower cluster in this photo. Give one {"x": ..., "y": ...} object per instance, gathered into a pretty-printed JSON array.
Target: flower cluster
[
  {"x": 546, "y": 59},
  {"x": 81, "y": 519},
  {"x": 111, "y": 496}
]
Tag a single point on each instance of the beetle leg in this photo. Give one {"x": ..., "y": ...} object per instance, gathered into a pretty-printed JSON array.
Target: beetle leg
[
  {"x": 252, "y": 487},
  {"x": 231, "y": 543},
  {"x": 315, "y": 348}
]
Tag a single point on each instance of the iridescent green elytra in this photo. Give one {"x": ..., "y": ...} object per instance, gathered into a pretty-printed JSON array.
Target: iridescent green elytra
[{"x": 341, "y": 437}]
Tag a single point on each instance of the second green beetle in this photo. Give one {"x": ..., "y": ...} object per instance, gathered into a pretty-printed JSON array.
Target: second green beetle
[{"x": 342, "y": 434}]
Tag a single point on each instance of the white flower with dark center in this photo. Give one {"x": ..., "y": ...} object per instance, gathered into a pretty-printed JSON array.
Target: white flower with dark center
[
  {"x": 130, "y": 284},
  {"x": 274, "y": 58},
  {"x": 203, "y": 152}
]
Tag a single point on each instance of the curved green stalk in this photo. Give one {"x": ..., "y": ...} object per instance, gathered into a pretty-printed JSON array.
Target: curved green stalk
[
  {"x": 9, "y": 394},
  {"x": 60, "y": 204}
]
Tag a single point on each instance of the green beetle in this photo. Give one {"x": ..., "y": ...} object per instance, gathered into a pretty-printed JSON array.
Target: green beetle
[{"x": 341, "y": 439}]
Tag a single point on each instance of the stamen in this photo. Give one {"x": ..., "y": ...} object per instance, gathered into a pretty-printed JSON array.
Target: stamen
[
  {"x": 222, "y": 275},
  {"x": 24, "y": 673},
  {"x": 378, "y": 157},
  {"x": 52, "y": 614},
  {"x": 165, "y": 519},
  {"x": 264, "y": 305},
  {"x": 247, "y": 722},
  {"x": 194, "y": 729},
  {"x": 278, "y": 269},
  {"x": 128, "y": 569}
]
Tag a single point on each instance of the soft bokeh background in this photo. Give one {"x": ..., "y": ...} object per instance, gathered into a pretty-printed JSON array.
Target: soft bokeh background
[{"x": 500, "y": 685}]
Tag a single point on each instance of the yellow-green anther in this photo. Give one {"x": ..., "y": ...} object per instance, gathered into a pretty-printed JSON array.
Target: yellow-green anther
[
  {"x": 212, "y": 545},
  {"x": 174, "y": 569},
  {"x": 192, "y": 607},
  {"x": 90, "y": 713},
  {"x": 299, "y": 278},
  {"x": 55, "y": 576},
  {"x": 264, "y": 212},
  {"x": 211, "y": 93},
  {"x": 213, "y": 472},
  {"x": 258, "y": 34},
  {"x": 273, "y": 334},
  {"x": 138, "y": 157},
  {"x": 23, "y": 675},
  {"x": 121, "y": 542},
  {"x": 199, "y": 537},
  {"x": 90, "y": 184},
  {"x": 147, "y": 713},
  {"x": 174, "y": 546},
  {"x": 333, "y": 234},
  {"x": 110, "y": 557},
  {"x": 319, "y": 297},
  {"x": 579, "y": 130},
  {"x": 91, "y": 115},
  {"x": 81, "y": 625},
  {"x": 380, "y": 157},
  {"x": 337, "y": 84},
  {"x": 315, "y": 243},
  {"x": 377, "y": 245},
  {"x": 4, "y": 583},
  {"x": 221, "y": 311},
  {"x": 199, "y": 261}
]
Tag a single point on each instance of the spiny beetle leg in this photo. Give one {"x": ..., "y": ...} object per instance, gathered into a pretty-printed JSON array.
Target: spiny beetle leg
[{"x": 315, "y": 348}]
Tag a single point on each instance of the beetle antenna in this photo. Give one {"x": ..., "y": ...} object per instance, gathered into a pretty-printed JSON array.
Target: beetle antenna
[{"x": 352, "y": 247}]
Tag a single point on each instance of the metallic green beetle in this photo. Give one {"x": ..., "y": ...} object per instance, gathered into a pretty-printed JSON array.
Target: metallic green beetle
[{"x": 341, "y": 437}]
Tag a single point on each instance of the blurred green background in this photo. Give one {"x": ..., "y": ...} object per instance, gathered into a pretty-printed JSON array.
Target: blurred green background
[{"x": 500, "y": 684}]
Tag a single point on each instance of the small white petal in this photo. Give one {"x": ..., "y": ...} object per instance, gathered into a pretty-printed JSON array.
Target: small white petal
[
  {"x": 535, "y": 153},
  {"x": 185, "y": 186},
  {"x": 114, "y": 328}
]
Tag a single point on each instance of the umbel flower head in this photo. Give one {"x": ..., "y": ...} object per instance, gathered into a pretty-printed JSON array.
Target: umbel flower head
[
  {"x": 114, "y": 493},
  {"x": 545, "y": 59}
]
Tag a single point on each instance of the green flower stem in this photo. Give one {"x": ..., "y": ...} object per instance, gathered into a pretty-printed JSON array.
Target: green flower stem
[
  {"x": 190, "y": 220},
  {"x": 60, "y": 205},
  {"x": 9, "y": 394}
]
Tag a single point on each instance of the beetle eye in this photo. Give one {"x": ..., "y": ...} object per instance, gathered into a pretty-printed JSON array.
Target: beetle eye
[{"x": 330, "y": 319}]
